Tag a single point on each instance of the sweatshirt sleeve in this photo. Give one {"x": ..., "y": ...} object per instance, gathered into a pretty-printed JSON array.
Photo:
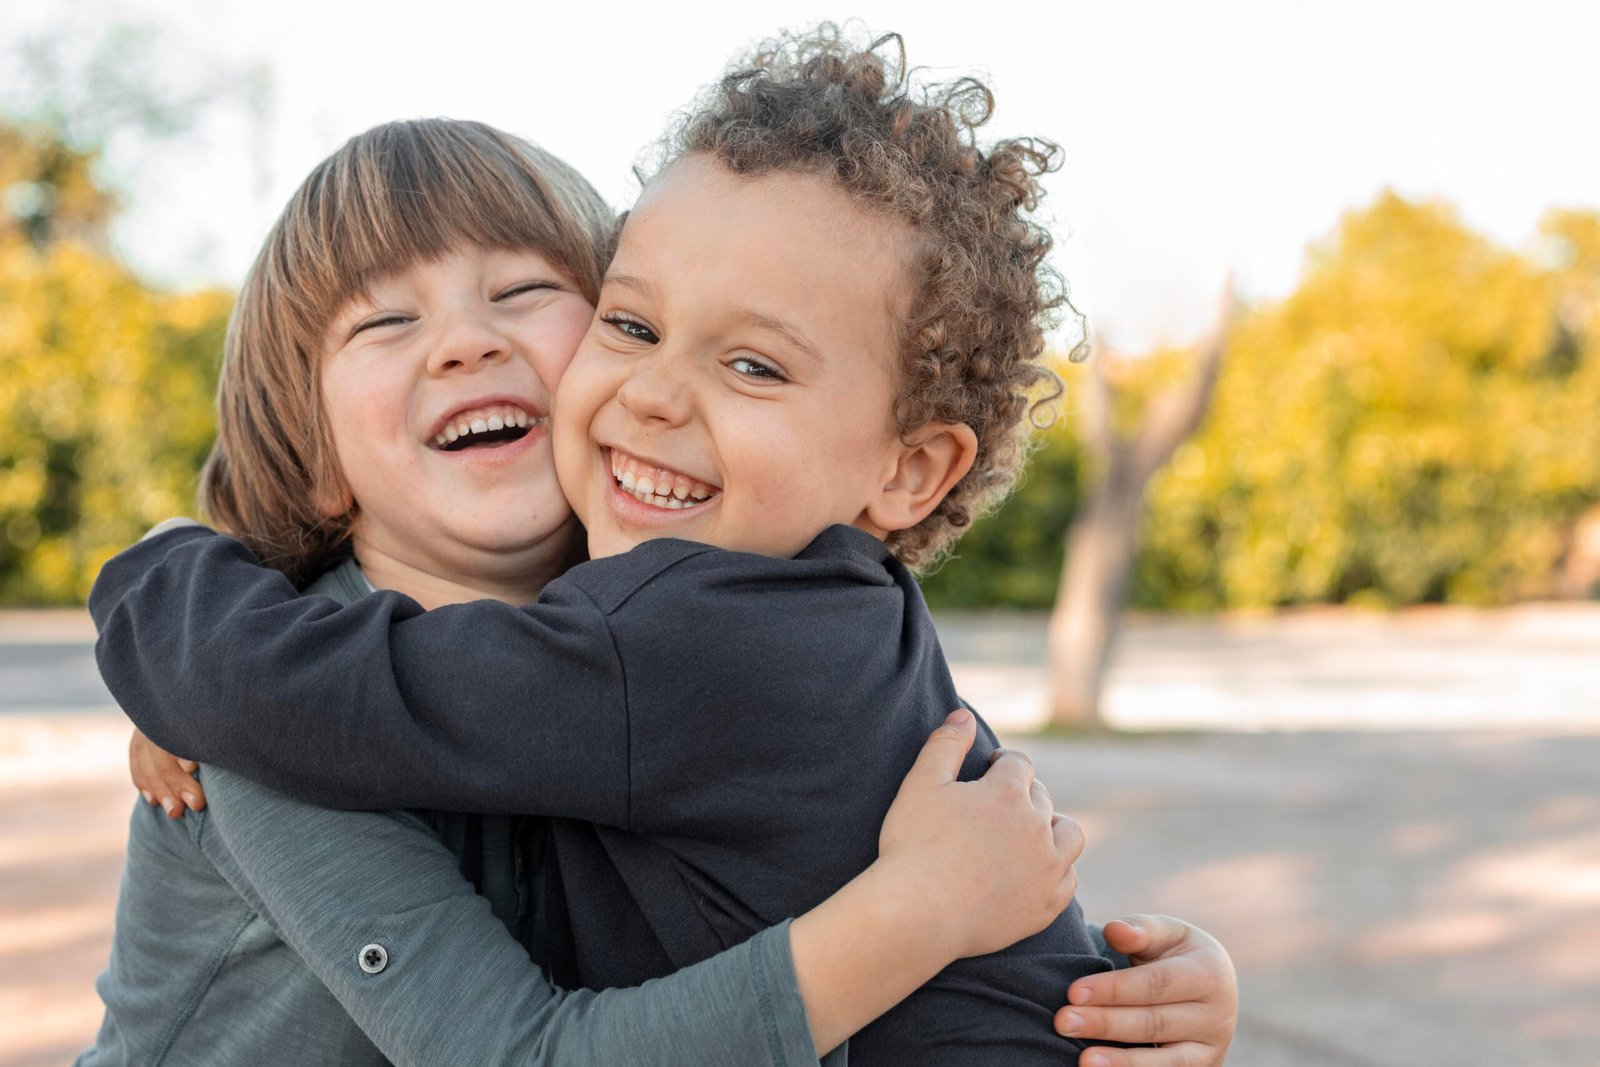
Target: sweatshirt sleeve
[
  {"x": 447, "y": 983},
  {"x": 379, "y": 704}
]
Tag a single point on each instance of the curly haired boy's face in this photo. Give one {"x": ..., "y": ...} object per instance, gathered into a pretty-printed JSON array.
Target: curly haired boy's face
[
  {"x": 437, "y": 387},
  {"x": 738, "y": 383}
]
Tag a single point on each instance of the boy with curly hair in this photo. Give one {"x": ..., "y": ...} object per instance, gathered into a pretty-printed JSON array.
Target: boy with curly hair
[{"x": 812, "y": 364}]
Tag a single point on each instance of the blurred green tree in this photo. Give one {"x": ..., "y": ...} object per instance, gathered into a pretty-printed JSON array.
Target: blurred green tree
[
  {"x": 1415, "y": 423},
  {"x": 106, "y": 383},
  {"x": 48, "y": 190},
  {"x": 105, "y": 410}
]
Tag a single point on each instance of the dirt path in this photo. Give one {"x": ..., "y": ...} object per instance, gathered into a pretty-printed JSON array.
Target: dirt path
[{"x": 1391, "y": 899}]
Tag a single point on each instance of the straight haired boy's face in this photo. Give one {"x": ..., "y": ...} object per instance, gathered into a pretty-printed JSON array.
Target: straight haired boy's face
[
  {"x": 437, "y": 387},
  {"x": 737, "y": 384}
]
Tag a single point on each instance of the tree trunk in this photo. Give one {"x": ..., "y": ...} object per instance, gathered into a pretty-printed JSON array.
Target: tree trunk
[
  {"x": 1094, "y": 582},
  {"x": 1103, "y": 539}
]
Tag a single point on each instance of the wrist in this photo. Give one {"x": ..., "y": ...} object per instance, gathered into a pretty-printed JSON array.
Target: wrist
[
  {"x": 865, "y": 949},
  {"x": 915, "y": 906}
]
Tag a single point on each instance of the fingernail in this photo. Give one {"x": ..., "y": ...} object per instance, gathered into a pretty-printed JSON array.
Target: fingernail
[
  {"x": 149, "y": 797},
  {"x": 1080, "y": 994},
  {"x": 958, "y": 716},
  {"x": 188, "y": 798},
  {"x": 1095, "y": 1059},
  {"x": 1074, "y": 1022},
  {"x": 169, "y": 804}
]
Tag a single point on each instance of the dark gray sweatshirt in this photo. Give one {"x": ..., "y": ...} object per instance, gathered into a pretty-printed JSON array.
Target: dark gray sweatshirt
[{"x": 729, "y": 730}]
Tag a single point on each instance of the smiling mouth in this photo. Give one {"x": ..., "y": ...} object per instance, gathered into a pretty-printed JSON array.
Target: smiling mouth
[
  {"x": 489, "y": 427},
  {"x": 658, "y": 486}
]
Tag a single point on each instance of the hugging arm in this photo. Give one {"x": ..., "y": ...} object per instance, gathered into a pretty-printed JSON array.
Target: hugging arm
[
  {"x": 478, "y": 707},
  {"x": 364, "y": 706},
  {"x": 455, "y": 986}
]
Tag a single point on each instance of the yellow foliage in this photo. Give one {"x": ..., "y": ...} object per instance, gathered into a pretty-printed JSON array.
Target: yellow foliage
[
  {"x": 1409, "y": 425},
  {"x": 105, "y": 411},
  {"x": 1416, "y": 422}
]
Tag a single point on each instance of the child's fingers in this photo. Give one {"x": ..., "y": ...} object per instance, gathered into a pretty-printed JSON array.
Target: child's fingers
[
  {"x": 1040, "y": 797},
  {"x": 1162, "y": 982},
  {"x": 1146, "y": 936},
  {"x": 1068, "y": 837},
  {"x": 1010, "y": 769},
  {"x": 183, "y": 791},
  {"x": 1165, "y": 1022},
  {"x": 940, "y": 760},
  {"x": 190, "y": 792},
  {"x": 163, "y": 778},
  {"x": 140, "y": 768},
  {"x": 1182, "y": 1054}
]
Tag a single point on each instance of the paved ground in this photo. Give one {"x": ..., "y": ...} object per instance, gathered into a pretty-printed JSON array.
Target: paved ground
[
  {"x": 1533, "y": 667},
  {"x": 1392, "y": 897}
]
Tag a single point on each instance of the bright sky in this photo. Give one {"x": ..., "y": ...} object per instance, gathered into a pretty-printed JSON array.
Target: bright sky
[{"x": 1199, "y": 137}]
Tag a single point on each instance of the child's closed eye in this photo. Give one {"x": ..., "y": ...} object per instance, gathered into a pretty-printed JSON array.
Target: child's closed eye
[
  {"x": 378, "y": 321},
  {"x": 522, "y": 288}
]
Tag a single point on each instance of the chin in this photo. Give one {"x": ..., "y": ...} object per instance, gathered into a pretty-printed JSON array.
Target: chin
[{"x": 513, "y": 535}]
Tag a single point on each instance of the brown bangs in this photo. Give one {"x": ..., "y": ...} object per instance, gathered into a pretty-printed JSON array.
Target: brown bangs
[
  {"x": 408, "y": 192},
  {"x": 396, "y": 196}
]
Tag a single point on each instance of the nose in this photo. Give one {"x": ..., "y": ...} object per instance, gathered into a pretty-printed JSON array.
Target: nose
[
  {"x": 656, "y": 389},
  {"x": 468, "y": 340}
]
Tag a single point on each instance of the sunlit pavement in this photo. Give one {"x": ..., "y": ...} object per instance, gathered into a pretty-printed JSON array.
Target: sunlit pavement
[
  {"x": 1392, "y": 897},
  {"x": 1535, "y": 667}
]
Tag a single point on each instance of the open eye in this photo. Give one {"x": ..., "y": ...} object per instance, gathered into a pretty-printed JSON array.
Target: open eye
[
  {"x": 760, "y": 370},
  {"x": 630, "y": 328}
]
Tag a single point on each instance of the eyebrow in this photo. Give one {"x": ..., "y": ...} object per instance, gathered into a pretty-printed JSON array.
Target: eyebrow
[{"x": 629, "y": 281}]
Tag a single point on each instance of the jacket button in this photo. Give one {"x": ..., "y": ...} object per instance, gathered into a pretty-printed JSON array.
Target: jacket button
[{"x": 373, "y": 958}]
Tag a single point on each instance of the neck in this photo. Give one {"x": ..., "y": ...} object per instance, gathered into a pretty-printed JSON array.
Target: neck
[{"x": 432, "y": 581}]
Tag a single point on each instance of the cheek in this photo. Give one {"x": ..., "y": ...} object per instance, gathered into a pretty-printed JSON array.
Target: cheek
[
  {"x": 560, "y": 344},
  {"x": 591, "y": 377},
  {"x": 583, "y": 390},
  {"x": 367, "y": 415}
]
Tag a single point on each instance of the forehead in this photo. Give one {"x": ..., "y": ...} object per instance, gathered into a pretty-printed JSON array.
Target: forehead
[{"x": 788, "y": 245}]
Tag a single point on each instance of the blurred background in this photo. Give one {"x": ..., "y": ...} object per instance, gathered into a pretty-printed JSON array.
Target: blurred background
[{"x": 1321, "y": 671}]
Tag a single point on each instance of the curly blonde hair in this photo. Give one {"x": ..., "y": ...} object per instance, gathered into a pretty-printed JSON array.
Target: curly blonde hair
[{"x": 983, "y": 294}]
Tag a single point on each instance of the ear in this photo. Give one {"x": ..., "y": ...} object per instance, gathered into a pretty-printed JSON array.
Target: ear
[{"x": 928, "y": 468}]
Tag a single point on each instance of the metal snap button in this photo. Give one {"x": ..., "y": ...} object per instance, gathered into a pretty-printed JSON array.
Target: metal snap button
[{"x": 373, "y": 958}]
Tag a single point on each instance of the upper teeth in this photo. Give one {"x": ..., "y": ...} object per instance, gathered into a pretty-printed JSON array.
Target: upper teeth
[
  {"x": 658, "y": 486},
  {"x": 483, "y": 420}
]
